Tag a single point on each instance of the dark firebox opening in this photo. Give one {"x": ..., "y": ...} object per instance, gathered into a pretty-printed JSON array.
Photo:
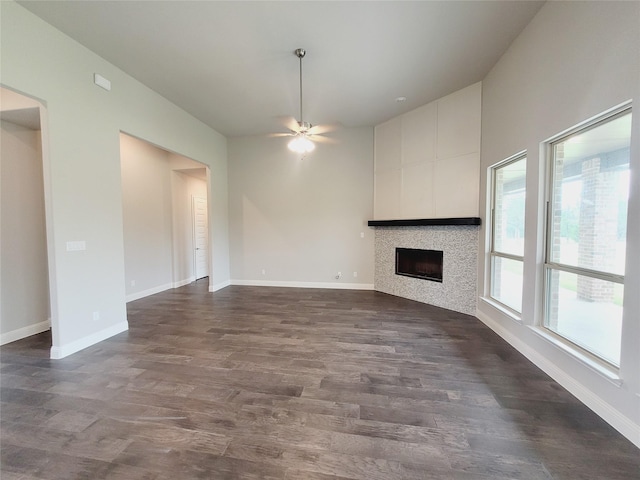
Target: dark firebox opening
[{"x": 416, "y": 263}]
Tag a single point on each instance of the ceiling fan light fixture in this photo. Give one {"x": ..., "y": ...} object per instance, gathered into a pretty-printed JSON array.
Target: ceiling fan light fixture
[
  {"x": 301, "y": 144},
  {"x": 304, "y": 134}
]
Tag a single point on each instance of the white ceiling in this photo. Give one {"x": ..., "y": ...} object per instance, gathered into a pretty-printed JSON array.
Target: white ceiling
[{"x": 231, "y": 64}]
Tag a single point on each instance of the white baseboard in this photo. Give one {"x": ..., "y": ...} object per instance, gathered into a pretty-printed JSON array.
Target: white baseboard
[
  {"x": 184, "y": 282},
  {"x": 82, "y": 343},
  {"x": 219, "y": 286},
  {"x": 275, "y": 283},
  {"x": 160, "y": 288},
  {"x": 150, "y": 291},
  {"x": 606, "y": 411},
  {"x": 25, "y": 332}
]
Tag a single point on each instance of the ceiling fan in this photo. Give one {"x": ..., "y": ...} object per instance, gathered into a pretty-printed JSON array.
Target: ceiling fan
[{"x": 304, "y": 134}]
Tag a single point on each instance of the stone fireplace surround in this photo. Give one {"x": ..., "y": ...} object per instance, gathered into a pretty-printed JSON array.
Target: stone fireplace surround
[{"x": 458, "y": 240}]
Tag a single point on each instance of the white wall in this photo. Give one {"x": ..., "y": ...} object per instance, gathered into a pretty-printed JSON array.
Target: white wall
[
  {"x": 147, "y": 217},
  {"x": 82, "y": 170},
  {"x": 157, "y": 228},
  {"x": 301, "y": 220},
  {"x": 572, "y": 62},
  {"x": 24, "y": 299},
  {"x": 427, "y": 161}
]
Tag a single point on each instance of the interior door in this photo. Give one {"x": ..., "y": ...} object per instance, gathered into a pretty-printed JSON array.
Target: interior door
[{"x": 201, "y": 237}]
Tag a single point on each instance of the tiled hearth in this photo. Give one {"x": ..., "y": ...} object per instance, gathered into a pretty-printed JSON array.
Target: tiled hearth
[{"x": 459, "y": 244}]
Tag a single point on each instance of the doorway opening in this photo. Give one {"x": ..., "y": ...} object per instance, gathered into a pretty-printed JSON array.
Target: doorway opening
[
  {"x": 200, "y": 225},
  {"x": 163, "y": 247},
  {"x": 25, "y": 267}
]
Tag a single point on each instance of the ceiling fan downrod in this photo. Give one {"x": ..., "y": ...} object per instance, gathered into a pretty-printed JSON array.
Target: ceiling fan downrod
[
  {"x": 300, "y": 53},
  {"x": 301, "y": 143}
]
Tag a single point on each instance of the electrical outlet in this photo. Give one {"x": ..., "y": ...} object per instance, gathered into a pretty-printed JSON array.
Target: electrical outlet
[
  {"x": 355, "y": 274},
  {"x": 96, "y": 316},
  {"x": 339, "y": 276},
  {"x": 133, "y": 283},
  {"x": 264, "y": 272}
]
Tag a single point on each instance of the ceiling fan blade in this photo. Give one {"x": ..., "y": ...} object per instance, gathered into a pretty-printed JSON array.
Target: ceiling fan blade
[
  {"x": 272, "y": 135},
  {"x": 289, "y": 122},
  {"x": 320, "y": 129},
  {"x": 323, "y": 139}
]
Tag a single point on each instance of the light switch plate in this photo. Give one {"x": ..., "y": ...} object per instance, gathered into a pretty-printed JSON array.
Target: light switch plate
[{"x": 76, "y": 245}]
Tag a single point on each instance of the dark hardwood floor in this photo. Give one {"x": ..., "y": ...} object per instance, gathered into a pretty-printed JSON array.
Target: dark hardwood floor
[{"x": 271, "y": 383}]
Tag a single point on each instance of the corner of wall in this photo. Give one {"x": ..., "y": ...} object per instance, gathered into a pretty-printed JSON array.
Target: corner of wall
[{"x": 61, "y": 351}]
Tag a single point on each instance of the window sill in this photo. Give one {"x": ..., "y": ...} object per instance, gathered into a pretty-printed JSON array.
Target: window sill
[
  {"x": 500, "y": 307},
  {"x": 605, "y": 370}
]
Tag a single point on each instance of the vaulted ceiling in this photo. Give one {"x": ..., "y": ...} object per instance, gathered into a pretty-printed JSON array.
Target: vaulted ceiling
[{"x": 231, "y": 64}]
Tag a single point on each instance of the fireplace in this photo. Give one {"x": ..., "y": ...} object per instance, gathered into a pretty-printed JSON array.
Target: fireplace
[
  {"x": 418, "y": 263},
  {"x": 456, "y": 290}
]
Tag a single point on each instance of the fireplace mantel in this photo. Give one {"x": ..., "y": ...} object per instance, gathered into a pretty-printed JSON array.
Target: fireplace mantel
[{"x": 425, "y": 222}]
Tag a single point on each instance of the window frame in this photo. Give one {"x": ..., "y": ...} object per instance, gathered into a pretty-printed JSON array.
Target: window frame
[
  {"x": 548, "y": 265},
  {"x": 493, "y": 253}
]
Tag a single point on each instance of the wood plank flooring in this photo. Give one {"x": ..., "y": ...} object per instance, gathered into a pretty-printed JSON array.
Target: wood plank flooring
[{"x": 271, "y": 383}]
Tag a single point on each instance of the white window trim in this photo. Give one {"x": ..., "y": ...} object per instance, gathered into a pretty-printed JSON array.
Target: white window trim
[
  {"x": 594, "y": 363},
  {"x": 511, "y": 312},
  {"x": 600, "y": 365}
]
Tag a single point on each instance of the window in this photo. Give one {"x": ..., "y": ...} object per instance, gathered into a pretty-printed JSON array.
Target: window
[
  {"x": 507, "y": 231},
  {"x": 586, "y": 235}
]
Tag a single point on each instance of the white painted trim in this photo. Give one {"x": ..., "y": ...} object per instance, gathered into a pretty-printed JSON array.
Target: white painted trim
[
  {"x": 184, "y": 282},
  {"x": 160, "y": 288},
  {"x": 24, "y": 332},
  {"x": 275, "y": 283},
  {"x": 512, "y": 314},
  {"x": 150, "y": 291},
  {"x": 606, "y": 411},
  {"x": 219, "y": 286},
  {"x": 82, "y": 343},
  {"x": 594, "y": 364}
]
